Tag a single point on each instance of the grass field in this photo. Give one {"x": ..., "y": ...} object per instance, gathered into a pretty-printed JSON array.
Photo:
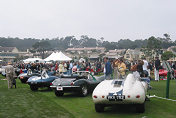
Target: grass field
[{"x": 22, "y": 102}]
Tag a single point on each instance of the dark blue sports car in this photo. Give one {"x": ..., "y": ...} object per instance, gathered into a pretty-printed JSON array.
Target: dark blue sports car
[{"x": 44, "y": 80}]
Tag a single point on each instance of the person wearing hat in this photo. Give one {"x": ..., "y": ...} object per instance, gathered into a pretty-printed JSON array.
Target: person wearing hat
[{"x": 10, "y": 73}]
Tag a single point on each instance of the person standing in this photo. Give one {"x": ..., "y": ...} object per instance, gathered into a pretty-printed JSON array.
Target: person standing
[
  {"x": 10, "y": 73},
  {"x": 121, "y": 68},
  {"x": 115, "y": 66},
  {"x": 157, "y": 65},
  {"x": 70, "y": 68},
  {"x": 98, "y": 67},
  {"x": 107, "y": 69},
  {"x": 145, "y": 67},
  {"x": 61, "y": 68},
  {"x": 149, "y": 68}
]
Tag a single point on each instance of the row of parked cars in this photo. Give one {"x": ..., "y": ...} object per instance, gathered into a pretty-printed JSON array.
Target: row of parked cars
[{"x": 131, "y": 90}]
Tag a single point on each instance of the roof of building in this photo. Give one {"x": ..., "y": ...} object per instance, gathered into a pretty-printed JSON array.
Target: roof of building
[
  {"x": 93, "y": 56},
  {"x": 134, "y": 52},
  {"x": 7, "y": 49},
  {"x": 85, "y": 48},
  {"x": 117, "y": 50}
]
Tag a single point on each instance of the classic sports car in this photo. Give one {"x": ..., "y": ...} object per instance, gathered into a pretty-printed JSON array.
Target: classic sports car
[
  {"x": 25, "y": 76},
  {"x": 44, "y": 80},
  {"x": 19, "y": 71},
  {"x": 121, "y": 91},
  {"x": 3, "y": 70},
  {"x": 163, "y": 74},
  {"x": 80, "y": 83}
]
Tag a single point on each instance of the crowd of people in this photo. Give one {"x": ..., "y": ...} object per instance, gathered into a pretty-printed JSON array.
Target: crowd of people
[
  {"x": 118, "y": 68},
  {"x": 63, "y": 67},
  {"x": 115, "y": 68}
]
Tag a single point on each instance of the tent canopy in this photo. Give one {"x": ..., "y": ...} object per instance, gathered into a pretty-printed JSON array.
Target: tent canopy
[
  {"x": 58, "y": 56},
  {"x": 49, "y": 58}
]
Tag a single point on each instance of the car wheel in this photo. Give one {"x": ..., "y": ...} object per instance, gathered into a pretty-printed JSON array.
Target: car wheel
[
  {"x": 34, "y": 88},
  {"x": 99, "y": 108},
  {"x": 22, "y": 81},
  {"x": 140, "y": 108},
  {"x": 84, "y": 90},
  {"x": 59, "y": 93}
]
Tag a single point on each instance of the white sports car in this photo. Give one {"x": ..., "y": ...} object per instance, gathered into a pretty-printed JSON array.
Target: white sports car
[{"x": 131, "y": 90}]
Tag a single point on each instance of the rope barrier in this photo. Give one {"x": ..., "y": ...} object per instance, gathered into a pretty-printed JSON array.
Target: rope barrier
[{"x": 154, "y": 96}]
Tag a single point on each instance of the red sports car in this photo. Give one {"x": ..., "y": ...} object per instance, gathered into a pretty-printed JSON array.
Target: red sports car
[{"x": 163, "y": 74}]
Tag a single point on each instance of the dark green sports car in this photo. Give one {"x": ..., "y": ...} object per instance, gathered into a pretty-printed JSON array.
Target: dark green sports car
[{"x": 80, "y": 83}]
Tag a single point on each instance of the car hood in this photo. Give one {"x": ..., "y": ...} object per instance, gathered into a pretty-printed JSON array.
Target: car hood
[
  {"x": 22, "y": 74},
  {"x": 34, "y": 78}
]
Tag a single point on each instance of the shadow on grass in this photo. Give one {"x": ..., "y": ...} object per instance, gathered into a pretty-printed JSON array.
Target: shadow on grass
[
  {"x": 74, "y": 95},
  {"x": 120, "y": 109},
  {"x": 45, "y": 90}
]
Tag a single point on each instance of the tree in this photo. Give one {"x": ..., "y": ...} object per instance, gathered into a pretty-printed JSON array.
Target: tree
[
  {"x": 41, "y": 47},
  {"x": 167, "y": 55},
  {"x": 167, "y": 36}
]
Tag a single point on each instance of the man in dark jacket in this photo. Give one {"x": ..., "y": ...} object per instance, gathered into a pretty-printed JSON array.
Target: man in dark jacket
[
  {"x": 157, "y": 66},
  {"x": 108, "y": 68}
]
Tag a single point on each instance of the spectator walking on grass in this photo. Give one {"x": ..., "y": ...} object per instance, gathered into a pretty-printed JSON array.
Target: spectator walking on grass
[{"x": 10, "y": 73}]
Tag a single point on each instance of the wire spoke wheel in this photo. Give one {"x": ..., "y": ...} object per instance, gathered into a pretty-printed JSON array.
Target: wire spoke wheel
[{"x": 84, "y": 90}]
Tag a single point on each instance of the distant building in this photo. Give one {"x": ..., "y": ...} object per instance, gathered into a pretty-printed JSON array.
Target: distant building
[
  {"x": 92, "y": 53},
  {"x": 114, "y": 54},
  {"x": 117, "y": 51},
  {"x": 8, "y": 50},
  {"x": 86, "y": 50},
  {"x": 10, "y": 53},
  {"x": 171, "y": 48},
  {"x": 133, "y": 54}
]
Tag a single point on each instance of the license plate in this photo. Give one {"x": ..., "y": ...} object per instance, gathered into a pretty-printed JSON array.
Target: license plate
[
  {"x": 116, "y": 98},
  {"x": 59, "y": 88}
]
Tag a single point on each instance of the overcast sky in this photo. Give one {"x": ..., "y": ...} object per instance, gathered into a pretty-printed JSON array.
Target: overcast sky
[{"x": 111, "y": 19}]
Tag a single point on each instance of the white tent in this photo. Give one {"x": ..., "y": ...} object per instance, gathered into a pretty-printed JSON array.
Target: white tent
[
  {"x": 0, "y": 60},
  {"x": 49, "y": 58},
  {"x": 32, "y": 60},
  {"x": 58, "y": 57}
]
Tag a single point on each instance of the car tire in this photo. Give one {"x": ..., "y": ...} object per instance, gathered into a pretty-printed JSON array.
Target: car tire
[
  {"x": 84, "y": 90},
  {"x": 140, "y": 108},
  {"x": 59, "y": 93},
  {"x": 34, "y": 88},
  {"x": 99, "y": 108}
]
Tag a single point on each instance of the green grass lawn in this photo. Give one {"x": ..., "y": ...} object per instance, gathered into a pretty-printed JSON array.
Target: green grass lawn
[{"x": 22, "y": 102}]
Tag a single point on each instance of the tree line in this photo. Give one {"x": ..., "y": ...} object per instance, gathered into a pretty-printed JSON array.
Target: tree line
[{"x": 85, "y": 41}]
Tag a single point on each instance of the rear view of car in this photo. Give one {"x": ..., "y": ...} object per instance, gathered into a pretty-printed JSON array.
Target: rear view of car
[
  {"x": 120, "y": 91},
  {"x": 82, "y": 84}
]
